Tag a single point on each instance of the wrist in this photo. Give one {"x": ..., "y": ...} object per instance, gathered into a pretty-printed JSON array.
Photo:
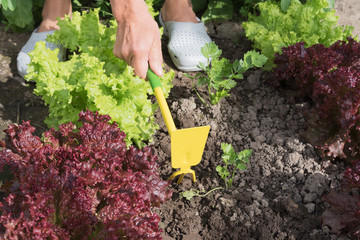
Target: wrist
[{"x": 125, "y": 9}]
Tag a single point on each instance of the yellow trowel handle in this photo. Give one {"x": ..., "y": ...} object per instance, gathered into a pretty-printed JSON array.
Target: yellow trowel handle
[{"x": 156, "y": 86}]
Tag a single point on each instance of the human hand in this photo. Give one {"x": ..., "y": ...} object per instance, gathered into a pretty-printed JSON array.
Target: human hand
[{"x": 138, "y": 40}]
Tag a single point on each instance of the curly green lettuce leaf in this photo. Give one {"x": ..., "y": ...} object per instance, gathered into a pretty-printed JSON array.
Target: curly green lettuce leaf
[
  {"x": 93, "y": 78},
  {"x": 150, "y": 4},
  {"x": 85, "y": 33},
  {"x": 312, "y": 23}
]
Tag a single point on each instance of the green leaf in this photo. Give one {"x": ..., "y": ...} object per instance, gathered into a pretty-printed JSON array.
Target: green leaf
[
  {"x": 239, "y": 76},
  {"x": 227, "y": 148},
  {"x": 236, "y": 159},
  {"x": 245, "y": 155},
  {"x": 220, "y": 70},
  {"x": 18, "y": 14},
  {"x": 202, "y": 66},
  {"x": 222, "y": 171},
  {"x": 253, "y": 58},
  {"x": 217, "y": 96},
  {"x": 193, "y": 192},
  {"x": 77, "y": 3},
  {"x": 220, "y": 75},
  {"x": 238, "y": 65},
  {"x": 93, "y": 78},
  {"x": 285, "y": 4},
  {"x": 188, "y": 194},
  {"x": 230, "y": 157},
  {"x": 331, "y": 3},
  {"x": 202, "y": 81},
  {"x": 9, "y": 4},
  {"x": 219, "y": 11},
  {"x": 230, "y": 84},
  {"x": 241, "y": 166},
  {"x": 215, "y": 86},
  {"x": 211, "y": 50},
  {"x": 272, "y": 29}
]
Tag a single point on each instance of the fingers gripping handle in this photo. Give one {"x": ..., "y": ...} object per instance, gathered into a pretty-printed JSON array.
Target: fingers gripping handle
[
  {"x": 153, "y": 79},
  {"x": 156, "y": 86}
]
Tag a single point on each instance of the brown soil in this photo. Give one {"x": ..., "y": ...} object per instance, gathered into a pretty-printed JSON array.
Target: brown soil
[{"x": 277, "y": 197}]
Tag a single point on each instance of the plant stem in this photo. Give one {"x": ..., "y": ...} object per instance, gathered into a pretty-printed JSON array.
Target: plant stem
[
  {"x": 198, "y": 94},
  {"x": 225, "y": 179},
  {"x": 204, "y": 195},
  {"x": 232, "y": 176}
]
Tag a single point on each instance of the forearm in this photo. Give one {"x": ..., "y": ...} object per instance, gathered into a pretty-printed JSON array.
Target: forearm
[{"x": 123, "y": 9}]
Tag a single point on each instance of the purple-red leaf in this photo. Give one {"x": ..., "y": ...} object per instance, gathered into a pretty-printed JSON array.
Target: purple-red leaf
[
  {"x": 79, "y": 184},
  {"x": 331, "y": 78},
  {"x": 344, "y": 215}
]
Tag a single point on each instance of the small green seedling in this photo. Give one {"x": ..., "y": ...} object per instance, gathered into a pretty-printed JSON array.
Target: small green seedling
[
  {"x": 196, "y": 193},
  {"x": 220, "y": 75},
  {"x": 237, "y": 160},
  {"x": 230, "y": 157}
]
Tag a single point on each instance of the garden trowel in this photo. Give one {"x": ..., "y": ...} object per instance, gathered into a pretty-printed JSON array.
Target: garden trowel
[{"x": 187, "y": 145}]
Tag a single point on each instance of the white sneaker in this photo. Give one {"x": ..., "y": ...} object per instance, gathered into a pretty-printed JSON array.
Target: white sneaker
[
  {"x": 23, "y": 58},
  {"x": 185, "y": 42}
]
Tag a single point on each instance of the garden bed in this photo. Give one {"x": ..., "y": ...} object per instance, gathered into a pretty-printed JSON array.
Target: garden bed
[{"x": 277, "y": 197}]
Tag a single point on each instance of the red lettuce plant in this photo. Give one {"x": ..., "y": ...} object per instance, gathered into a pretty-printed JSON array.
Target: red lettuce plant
[
  {"x": 81, "y": 184},
  {"x": 330, "y": 76},
  {"x": 344, "y": 214}
]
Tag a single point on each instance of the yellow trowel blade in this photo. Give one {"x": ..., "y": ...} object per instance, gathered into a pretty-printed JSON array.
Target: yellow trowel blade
[{"x": 187, "y": 146}]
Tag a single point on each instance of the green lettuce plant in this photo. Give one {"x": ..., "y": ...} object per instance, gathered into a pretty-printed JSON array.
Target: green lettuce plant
[
  {"x": 93, "y": 78},
  {"x": 280, "y": 25}
]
